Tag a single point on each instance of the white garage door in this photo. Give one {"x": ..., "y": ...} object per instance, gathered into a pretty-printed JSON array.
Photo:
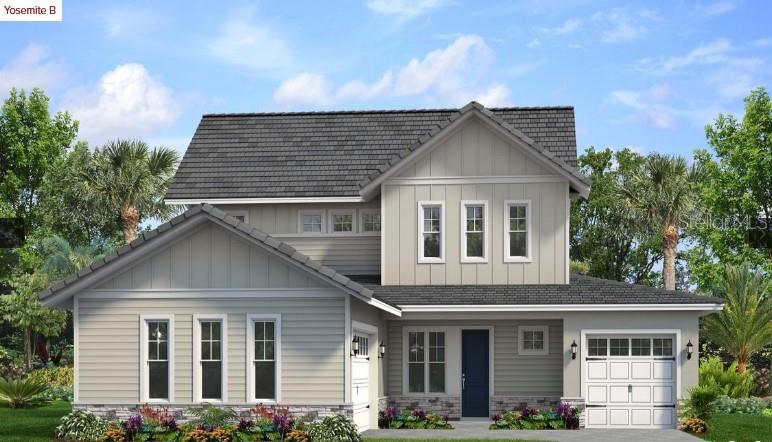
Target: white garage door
[
  {"x": 630, "y": 381},
  {"x": 360, "y": 383}
]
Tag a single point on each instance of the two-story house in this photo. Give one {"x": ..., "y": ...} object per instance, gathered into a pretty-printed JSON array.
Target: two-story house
[{"x": 338, "y": 262}]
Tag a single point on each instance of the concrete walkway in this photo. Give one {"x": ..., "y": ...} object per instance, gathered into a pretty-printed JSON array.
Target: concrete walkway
[{"x": 478, "y": 429}]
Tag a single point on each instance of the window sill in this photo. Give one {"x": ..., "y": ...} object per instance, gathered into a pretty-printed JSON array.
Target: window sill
[
  {"x": 431, "y": 260},
  {"x": 465, "y": 260},
  {"x": 532, "y": 353},
  {"x": 516, "y": 259}
]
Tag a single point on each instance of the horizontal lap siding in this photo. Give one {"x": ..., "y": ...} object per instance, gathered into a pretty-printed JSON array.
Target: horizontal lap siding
[
  {"x": 349, "y": 255},
  {"x": 312, "y": 346}
]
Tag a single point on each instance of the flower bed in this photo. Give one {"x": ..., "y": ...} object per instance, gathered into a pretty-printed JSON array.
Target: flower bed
[
  {"x": 415, "y": 419},
  {"x": 564, "y": 416},
  {"x": 211, "y": 424}
]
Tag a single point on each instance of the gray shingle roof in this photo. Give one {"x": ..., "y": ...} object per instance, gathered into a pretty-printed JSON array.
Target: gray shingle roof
[
  {"x": 322, "y": 154},
  {"x": 581, "y": 290},
  {"x": 228, "y": 222}
]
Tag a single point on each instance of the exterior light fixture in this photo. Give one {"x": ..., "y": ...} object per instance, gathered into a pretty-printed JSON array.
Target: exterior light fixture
[
  {"x": 355, "y": 347},
  {"x": 381, "y": 350},
  {"x": 689, "y": 349},
  {"x": 573, "y": 349}
]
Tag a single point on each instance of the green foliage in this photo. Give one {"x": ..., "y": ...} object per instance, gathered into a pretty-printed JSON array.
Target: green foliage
[
  {"x": 734, "y": 193},
  {"x": 751, "y": 405},
  {"x": 701, "y": 403},
  {"x": 744, "y": 326},
  {"x": 728, "y": 382},
  {"x": 130, "y": 180},
  {"x": 604, "y": 236},
  {"x": 24, "y": 393},
  {"x": 11, "y": 364},
  {"x": 53, "y": 376},
  {"x": 333, "y": 429},
  {"x": 212, "y": 417},
  {"x": 415, "y": 419},
  {"x": 62, "y": 259},
  {"x": 82, "y": 425}
]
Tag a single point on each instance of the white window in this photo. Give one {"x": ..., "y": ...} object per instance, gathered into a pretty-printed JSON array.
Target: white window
[
  {"x": 370, "y": 220},
  {"x": 426, "y": 358},
  {"x": 264, "y": 358},
  {"x": 474, "y": 231},
  {"x": 533, "y": 340},
  {"x": 517, "y": 231},
  {"x": 240, "y": 215},
  {"x": 210, "y": 343},
  {"x": 311, "y": 221},
  {"x": 431, "y": 232},
  {"x": 157, "y": 358},
  {"x": 342, "y": 221}
]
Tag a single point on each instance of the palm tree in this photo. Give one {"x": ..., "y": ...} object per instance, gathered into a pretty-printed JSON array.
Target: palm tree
[
  {"x": 745, "y": 324},
  {"x": 661, "y": 195},
  {"x": 129, "y": 178}
]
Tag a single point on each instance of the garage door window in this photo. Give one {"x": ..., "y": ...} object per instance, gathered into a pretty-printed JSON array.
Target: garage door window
[
  {"x": 640, "y": 347},
  {"x": 597, "y": 347},
  {"x": 619, "y": 347},
  {"x": 663, "y": 347}
]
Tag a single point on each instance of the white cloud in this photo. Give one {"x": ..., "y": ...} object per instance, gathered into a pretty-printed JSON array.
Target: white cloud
[
  {"x": 404, "y": 9},
  {"x": 567, "y": 27},
  {"x": 446, "y": 76},
  {"x": 717, "y": 8},
  {"x": 127, "y": 102},
  {"x": 650, "y": 106},
  {"x": 535, "y": 43},
  {"x": 623, "y": 26},
  {"x": 709, "y": 53},
  {"x": 131, "y": 21},
  {"x": 763, "y": 42},
  {"x": 33, "y": 67},
  {"x": 496, "y": 96},
  {"x": 255, "y": 46}
]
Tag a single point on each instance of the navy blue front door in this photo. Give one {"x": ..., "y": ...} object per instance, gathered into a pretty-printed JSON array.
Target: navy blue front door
[{"x": 474, "y": 373}]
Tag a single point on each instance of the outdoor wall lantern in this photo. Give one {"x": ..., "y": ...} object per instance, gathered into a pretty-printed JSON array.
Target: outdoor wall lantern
[
  {"x": 355, "y": 347},
  {"x": 689, "y": 349},
  {"x": 381, "y": 350},
  {"x": 573, "y": 349}
]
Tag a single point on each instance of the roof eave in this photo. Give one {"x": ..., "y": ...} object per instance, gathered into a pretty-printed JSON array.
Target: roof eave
[{"x": 708, "y": 307}]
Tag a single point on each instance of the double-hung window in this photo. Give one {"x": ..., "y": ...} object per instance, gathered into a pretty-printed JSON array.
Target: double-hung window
[
  {"x": 426, "y": 358},
  {"x": 311, "y": 221},
  {"x": 474, "y": 235},
  {"x": 210, "y": 340},
  {"x": 517, "y": 231},
  {"x": 263, "y": 357},
  {"x": 157, "y": 362},
  {"x": 431, "y": 236}
]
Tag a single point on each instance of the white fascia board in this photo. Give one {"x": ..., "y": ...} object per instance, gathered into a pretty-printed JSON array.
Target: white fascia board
[
  {"x": 560, "y": 308},
  {"x": 298, "y": 200}
]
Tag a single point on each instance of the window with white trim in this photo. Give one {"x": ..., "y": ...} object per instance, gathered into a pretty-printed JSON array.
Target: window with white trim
[
  {"x": 240, "y": 215},
  {"x": 426, "y": 372},
  {"x": 474, "y": 235},
  {"x": 211, "y": 359},
  {"x": 364, "y": 346},
  {"x": 342, "y": 221},
  {"x": 431, "y": 226},
  {"x": 517, "y": 226},
  {"x": 263, "y": 357},
  {"x": 157, "y": 359},
  {"x": 311, "y": 221},
  {"x": 370, "y": 220},
  {"x": 533, "y": 340}
]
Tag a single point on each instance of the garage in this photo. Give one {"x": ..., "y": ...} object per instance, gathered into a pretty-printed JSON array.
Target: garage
[
  {"x": 360, "y": 381},
  {"x": 630, "y": 381}
]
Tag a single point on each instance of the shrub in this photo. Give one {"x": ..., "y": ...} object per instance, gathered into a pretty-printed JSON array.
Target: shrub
[
  {"x": 728, "y": 382},
  {"x": 23, "y": 393},
  {"x": 334, "y": 429},
  {"x": 700, "y": 403},
  {"x": 766, "y": 412},
  {"x": 692, "y": 425},
  {"x": 751, "y": 405},
  {"x": 563, "y": 416},
  {"x": 59, "y": 394},
  {"x": 11, "y": 364},
  {"x": 415, "y": 419},
  {"x": 297, "y": 436},
  {"x": 81, "y": 425},
  {"x": 210, "y": 417},
  {"x": 199, "y": 434},
  {"x": 113, "y": 433},
  {"x": 53, "y": 376}
]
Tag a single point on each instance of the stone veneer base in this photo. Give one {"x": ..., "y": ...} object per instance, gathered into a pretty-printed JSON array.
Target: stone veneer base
[
  {"x": 449, "y": 406},
  {"x": 307, "y": 413}
]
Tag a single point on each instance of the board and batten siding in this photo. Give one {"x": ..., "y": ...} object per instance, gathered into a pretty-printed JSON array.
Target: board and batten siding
[
  {"x": 513, "y": 374},
  {"x": 211, "y": 257},
  {"x": 350, "y": 254},
  {"x": 312, "y": 346}
]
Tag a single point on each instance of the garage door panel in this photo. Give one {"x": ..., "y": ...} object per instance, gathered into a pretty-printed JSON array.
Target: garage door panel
[
  {"x": 663, "y": 370},
  {"x": 641, "y": 370},
  {"x": 664, "y": 417},
  {"x": 640, "y": 394},
  {"x": 663, "y": 394},
  {"x": 619, "y": 417},
  {"x": 619, "y": 370},
  {"x": 618, "y": 394},
  {"x": 597, "y": 416},
  {"x": 641, "y": 416},
  {"x": 596, "y": 370},
  {"x": 597, "y": 393}
]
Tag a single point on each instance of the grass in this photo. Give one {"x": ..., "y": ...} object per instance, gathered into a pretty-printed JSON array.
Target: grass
[
  {"x": 738, "y": 428},
  {"x": 369, "y": 439},
  {"x": 31, "y": 424}
]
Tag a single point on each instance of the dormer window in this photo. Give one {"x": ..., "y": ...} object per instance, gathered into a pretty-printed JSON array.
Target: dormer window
[
  {"x": 431, "y": 226},
  {"x": 517, "y": 231}
]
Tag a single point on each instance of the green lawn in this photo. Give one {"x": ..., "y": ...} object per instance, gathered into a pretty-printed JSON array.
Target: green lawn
[
  {"x": 738, "y": 428},
  {"x": 368, "y": 439},
  {"x": 35, "y": 424}
]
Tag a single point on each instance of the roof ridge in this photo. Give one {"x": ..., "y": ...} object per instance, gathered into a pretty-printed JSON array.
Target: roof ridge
[{"x": 377, "y": 111}]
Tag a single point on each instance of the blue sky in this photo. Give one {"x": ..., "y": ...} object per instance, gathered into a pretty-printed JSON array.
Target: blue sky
[{"x": 644, "y": 74}]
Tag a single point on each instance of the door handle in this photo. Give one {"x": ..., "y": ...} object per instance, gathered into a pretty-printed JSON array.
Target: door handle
[
  {"x": 463, "y": 381},
  {"x": 629, "y": 388}
]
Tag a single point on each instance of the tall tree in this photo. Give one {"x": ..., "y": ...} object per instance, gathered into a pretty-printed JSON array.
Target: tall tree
[
  {"x": 661, "y": 195},
  {"x": 131, "y": 180},
  {"x": 603, "y": 235},
  {"x": 736, "y": 194},
  {"x": 744, "y": 326}
]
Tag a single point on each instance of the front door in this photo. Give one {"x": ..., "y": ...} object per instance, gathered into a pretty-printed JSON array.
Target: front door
[{"x": 474, "y": 373}]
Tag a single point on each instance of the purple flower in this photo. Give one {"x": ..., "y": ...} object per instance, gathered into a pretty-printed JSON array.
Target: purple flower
[
  {"x": 528, "y": 412},
  {"x": 168, "y": 422},
  {"x": 282, "y": 422},
  {"x": 391, "y": 413},
  {"x": 419, "y": 413},
  {"x": 445, "y": 417},
  {"x": 246, "y": 424},
  {"x": 496, "y": 417},
  {"x": 565, "y": 410},
  {"x": 132, "y": 424}
]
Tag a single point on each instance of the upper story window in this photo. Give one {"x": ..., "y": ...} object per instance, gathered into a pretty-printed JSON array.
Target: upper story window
[
  {"x": 311, "y": 221},
  {"x": 474, "y": 235},
  {"x": 517, "y": 231},
  {"x": 370, "y": 220},
  {"x": 431, "y": 226},
  {"x": 240, "y": 215},
  {"x": 342, "y": 221}
]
